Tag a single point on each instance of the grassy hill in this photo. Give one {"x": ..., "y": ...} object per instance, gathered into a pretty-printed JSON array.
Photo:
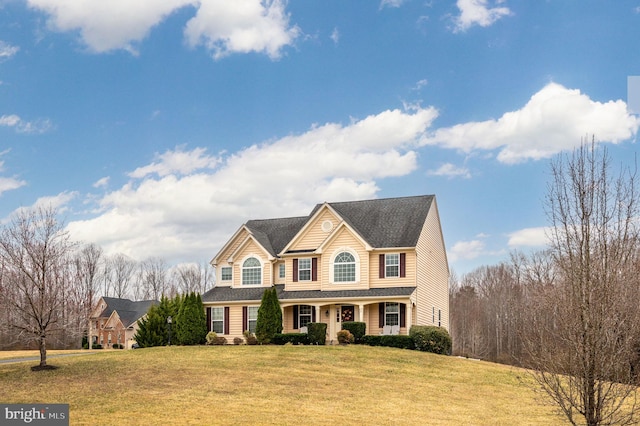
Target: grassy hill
[{"x": 279, "y": 385}]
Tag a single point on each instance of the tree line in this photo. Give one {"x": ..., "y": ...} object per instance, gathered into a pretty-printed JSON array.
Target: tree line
[{"x": 50, "y": 284}]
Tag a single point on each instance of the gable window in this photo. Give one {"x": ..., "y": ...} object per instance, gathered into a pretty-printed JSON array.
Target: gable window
[
  {"x": 304, "y": 269},
  {"x": 344, "y": 268},
  {"x": 392, "y": 265},
  {"x": 226, "y": 273},
  {"x": 281, "y": 274},
  {"x": 217, "y": 320},
  {"x": 251, "y": 272}
]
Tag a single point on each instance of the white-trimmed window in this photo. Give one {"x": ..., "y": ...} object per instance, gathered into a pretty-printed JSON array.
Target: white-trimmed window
[
  {"x": 344, "y": 268},
  {"x": 392, "y": 313},
  {"x": 392, "y": 265},
  {"x": 304, "y": 269},
  {"x": 226, "y": 273},
  {"x": 304, "y": 315},
  {"x": 281, "y": 270},
  {"x": 251, "y": 272},
  {"x": 252, "y": 318},
  {"x": 217, "y": 320}
]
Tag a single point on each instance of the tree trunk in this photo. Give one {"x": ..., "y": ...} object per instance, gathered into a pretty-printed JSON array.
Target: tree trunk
[{"x": 43, "y": 350}]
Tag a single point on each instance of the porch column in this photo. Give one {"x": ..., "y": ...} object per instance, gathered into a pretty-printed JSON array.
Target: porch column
[
  {"x": 318, "y": 319},
  {"x": 409, "y": 315},
  {"x": 361, "y": 313}
]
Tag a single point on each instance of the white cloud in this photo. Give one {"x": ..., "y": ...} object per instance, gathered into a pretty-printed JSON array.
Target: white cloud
[
  {"x": 108, "y": 25},
  {"x": 102, "y": 183},
  {"x": 22, "y": 126},
  {"x": 184, "y": 213},
  {"x": 7, "y": 50},
  {"x": 451, "y": 171},
  {"x": 8, "y": 183},
  {"x": 241, "y": 27},
  {"x": 420, "y": 84},
  {"x": 335, "y": 36},
  {"x": 222, "y": 26},
  {"x": 554, "y": 119},
  {"x": 529, "y": 237},
  {"x": 478, "y": 12},
  {"x": 391, "y": 3},
  {"x": 466, "y": 250}
]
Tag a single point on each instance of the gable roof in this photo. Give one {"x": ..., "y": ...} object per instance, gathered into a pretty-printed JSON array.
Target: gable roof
[
  {"x": 387, "y": 222},
  {"x": 274, "y": 234},
  {"x": 128, "y": 310}
]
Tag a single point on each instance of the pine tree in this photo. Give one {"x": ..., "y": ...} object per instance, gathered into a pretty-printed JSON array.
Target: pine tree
[
  {"x": 191, "y": 322},
  {"x": 269, "y": 321},
  {"x": 153, "y": 329}
]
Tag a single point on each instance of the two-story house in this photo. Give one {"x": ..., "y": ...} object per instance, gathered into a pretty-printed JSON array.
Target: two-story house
[
  {"x": 382, "y": 262},
  {"x": 115, "y": 321}
]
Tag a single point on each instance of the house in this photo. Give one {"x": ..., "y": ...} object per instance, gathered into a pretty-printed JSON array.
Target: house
[
  {"x": 115, "y": 321},
  {"x": 382, "y": 262}
]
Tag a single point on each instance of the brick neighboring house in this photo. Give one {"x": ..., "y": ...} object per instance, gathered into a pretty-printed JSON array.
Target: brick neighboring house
[
  {"x": 115, "y": 321},
  {"x": 380, "y": 261}
]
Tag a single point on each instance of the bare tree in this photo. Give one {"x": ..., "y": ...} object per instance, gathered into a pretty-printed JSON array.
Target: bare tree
[
  {"x": 34, "y": 252},
  {"x": 192, "y": 277},
  {"x": 582, "y": 339},
  {"x": 153, "y": 278},
  {"x": 119, "y": 273},
  {"x": 88, "y": 265}
]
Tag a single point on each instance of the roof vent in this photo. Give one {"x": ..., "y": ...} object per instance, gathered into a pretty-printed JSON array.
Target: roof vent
[{"x": 327, "y": 226}]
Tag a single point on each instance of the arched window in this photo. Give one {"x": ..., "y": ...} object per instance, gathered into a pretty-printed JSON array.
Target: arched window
[
  {"x": 251, "y": 272},
  {"x": 344, "y": 268}
]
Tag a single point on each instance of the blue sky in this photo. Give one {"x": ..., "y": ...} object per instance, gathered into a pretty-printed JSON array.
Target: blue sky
[{"x": 157, "y": 128}]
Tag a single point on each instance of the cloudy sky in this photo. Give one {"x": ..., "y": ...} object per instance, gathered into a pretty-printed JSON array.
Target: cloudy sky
[{"x": 158, "y": 127}]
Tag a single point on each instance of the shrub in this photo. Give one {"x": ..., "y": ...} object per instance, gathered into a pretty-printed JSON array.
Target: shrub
[
  {"x": 250, "y": 338},
  {"x": 291, "y": 338},
  {"x": 401, "y": 341},
  {"x": 96, "y": 346},
  {"x": 317, "y": 332},
  {"x": 220, "y": 340},
  {"x": 211, "y": 337},
  {"x": 358, "y": 329},
  {"x": 345, "y": 337},
  {"x": 433, "y": 339},
  {"x": 238, "y": 340},
  {"x": 371, "y": 340},
  {"x": 117, "y": 346},
  {"x": 269, "y": 320}
]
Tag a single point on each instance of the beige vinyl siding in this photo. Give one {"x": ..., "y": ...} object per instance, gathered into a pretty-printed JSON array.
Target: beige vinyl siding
[
  {"x": 313, "y": 235},
  {"x": 432, "y": 272},
  {"x": 290, "y": 285},
  {"x": 410, "y": 269},
  {"x": 344, "y": 239},
  {"x": 223, "y": 256}
]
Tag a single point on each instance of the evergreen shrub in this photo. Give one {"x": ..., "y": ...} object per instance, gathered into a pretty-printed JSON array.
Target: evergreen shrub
[
  {"x": 317, "y": 332},
  {"x": 358, "y": 329},
  {"x": 428, "y": 338}
]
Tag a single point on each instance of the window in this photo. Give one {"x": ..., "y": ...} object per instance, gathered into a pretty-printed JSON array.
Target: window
[
  {"x": 344, "y": 268},
  {"x": 392, "y": 265},
  {"x": 304, "y": 315},
  {"x": 392, "y": 313},
  {"x": 281, "y": 270},
  {"x": 252, "y": 318},
  {"x": 226, "y": 273},
  {"x": 304, "y": 269},
  {"x": 217, "y": 320},
  {"x": 439, "y": 318},
  {"x": 251, "y": 272}
]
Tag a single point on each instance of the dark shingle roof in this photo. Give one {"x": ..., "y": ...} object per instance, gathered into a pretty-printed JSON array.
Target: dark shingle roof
[
  {"x": 388, "y": 222},
  {"x": 228, "y": 294},
  {"x": 275, "y": 234},
  {"x": 128, "y": 310}
]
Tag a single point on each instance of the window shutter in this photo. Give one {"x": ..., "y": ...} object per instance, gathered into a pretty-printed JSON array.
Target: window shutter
[
  {"x": 314, "y": 269},
  {"x": 295, "y": 270},
  {"x": 245, "y": 319},
  {"x": 403, "y": 315},
  {"x": 208, "y": 319},
  {"x": 403, "y": 265},
  {"x": 226, "y": 320},
  {"x": 313, "y": 314},
  {"x": 295, "y": 316},
  {"x": 381, "y": 315},
  {"x": 381, "y": 267}
]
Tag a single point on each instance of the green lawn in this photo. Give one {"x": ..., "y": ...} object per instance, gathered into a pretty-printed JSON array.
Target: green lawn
[{"x": 279, "y": 385}]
